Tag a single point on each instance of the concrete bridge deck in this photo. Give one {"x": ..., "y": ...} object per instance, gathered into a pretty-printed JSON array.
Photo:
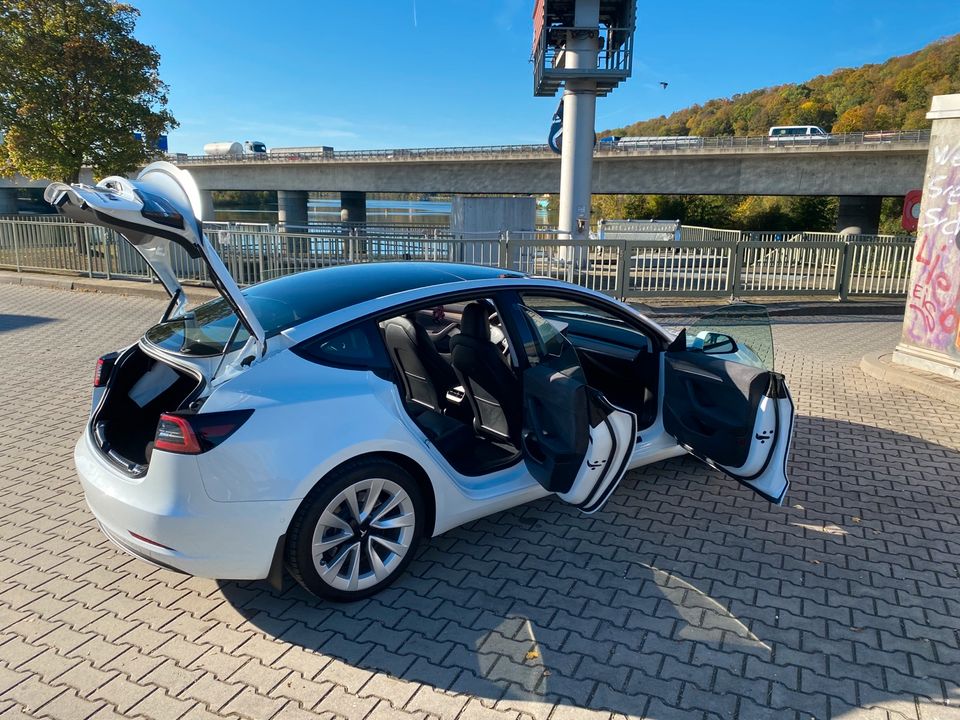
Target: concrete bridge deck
[{"x": 853, "y": 164}]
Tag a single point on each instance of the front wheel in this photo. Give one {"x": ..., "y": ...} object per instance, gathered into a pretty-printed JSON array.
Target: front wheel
[{"x": 356, "y": 531}]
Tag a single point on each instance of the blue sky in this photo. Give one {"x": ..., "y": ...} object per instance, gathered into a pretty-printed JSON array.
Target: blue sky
[{"x": 425, "y": 73}]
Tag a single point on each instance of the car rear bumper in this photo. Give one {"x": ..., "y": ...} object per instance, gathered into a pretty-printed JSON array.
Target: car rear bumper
[{"x": 166, "y": 517}]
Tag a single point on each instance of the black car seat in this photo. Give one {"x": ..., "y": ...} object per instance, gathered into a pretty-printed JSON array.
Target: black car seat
[
  {"x": 440, "y": 370},
  {"x": 492, "y": 389},
  {"x": 425, "y": 375}
]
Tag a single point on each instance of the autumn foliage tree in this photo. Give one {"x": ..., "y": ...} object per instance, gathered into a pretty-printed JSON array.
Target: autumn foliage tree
[{"x": 75, "y": 86}]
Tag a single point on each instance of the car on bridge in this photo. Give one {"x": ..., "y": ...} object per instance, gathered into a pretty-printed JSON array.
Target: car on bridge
[
  {"x": 330, "y": 421},
  {"x": 798, "y": 134}
]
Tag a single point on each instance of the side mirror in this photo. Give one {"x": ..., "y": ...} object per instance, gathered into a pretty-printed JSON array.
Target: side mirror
[{"x": 714, "y": 343}]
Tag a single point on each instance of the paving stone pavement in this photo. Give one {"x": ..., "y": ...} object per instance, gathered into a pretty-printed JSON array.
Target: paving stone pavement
[{"x": 686, "y": 597}]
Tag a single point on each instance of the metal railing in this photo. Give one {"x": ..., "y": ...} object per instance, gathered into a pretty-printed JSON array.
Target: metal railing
[
  {"x": 712, "y": 263},
  {"x": 872, "y": 140}
]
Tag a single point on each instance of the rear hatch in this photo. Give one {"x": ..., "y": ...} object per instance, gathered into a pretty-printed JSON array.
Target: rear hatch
[
  {"x": 156, "y": 210},
  {"x": 178, "y": 359}
]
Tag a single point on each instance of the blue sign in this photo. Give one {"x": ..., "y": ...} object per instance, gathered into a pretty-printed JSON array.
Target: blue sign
[
  {"x": 555, "y": 137},
  {"x": 160, "y": 144}
]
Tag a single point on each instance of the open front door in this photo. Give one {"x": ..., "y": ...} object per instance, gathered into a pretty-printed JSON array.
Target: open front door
[
  {"x": 574, "y": 442},
  {"x": 724, "y": 403}
]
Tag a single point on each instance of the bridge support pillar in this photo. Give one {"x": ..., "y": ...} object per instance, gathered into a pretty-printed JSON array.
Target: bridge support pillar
[
  {"x": 859, "y": 215},
  {"x": 353, "y": 206},
  {"x": 8, "y": 201},
  {"x": 579, "y": 117},
  {"x": 931, "y": 321},
  {"x": 207, "y": 213},
  {"x": 292, "y": 209}
]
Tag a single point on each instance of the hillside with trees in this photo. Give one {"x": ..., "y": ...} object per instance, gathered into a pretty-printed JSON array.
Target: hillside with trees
[{"x": 893, "y": 95}]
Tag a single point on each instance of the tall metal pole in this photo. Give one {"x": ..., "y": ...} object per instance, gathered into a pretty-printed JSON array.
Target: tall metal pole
[{"x": 579, "y": 113}]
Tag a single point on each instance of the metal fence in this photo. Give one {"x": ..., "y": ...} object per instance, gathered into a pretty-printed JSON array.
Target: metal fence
[
  {"x": 875, "y": 140},
  {"x": 712, "y": 263}
]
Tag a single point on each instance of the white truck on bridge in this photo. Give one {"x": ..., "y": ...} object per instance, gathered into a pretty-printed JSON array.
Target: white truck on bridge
[{"x": 235, "y": 149}]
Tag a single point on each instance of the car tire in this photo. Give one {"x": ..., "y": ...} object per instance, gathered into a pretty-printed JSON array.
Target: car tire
[{"x": 344, "y": 545}]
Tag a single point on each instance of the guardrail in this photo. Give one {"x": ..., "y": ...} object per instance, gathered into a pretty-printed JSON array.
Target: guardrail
[
  {"x": 845, "y": 266},
  {"x": 869, "y": 140}
]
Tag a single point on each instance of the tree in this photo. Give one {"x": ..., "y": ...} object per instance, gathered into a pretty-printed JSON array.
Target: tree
[{"x": 75, "y": 86}]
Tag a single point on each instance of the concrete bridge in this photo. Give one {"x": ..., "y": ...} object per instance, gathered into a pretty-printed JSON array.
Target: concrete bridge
[{"x": 859, "y": 168}]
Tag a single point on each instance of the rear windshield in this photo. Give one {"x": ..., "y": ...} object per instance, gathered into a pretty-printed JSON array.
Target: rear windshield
[{"x": 207, "y": 329}]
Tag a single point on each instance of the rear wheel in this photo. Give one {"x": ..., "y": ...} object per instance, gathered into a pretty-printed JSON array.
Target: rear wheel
[{"x": 356, "y": 531}]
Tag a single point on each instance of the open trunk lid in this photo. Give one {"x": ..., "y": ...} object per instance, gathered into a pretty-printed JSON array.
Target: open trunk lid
[{"x": 158, "y": 208}]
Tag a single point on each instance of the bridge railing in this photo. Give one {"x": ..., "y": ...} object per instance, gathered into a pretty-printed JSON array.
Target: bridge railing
[
  {"x": 878, "y": 139},
  {"x": 710, "y": 264}
]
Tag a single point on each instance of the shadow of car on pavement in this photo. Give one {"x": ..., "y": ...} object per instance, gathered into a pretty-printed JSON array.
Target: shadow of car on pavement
[{"x": 685, "y": 591}]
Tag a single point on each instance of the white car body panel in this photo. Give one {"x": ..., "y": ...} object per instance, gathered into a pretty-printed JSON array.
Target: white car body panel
[{"x": 168, "y": 505}]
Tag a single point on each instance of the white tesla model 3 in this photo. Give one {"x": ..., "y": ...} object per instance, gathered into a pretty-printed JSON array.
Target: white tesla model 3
[{"x": 328, "y": 421}]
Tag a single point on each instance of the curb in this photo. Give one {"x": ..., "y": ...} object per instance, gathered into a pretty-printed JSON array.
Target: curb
[
  {"x": 832, "y": 307},
  {"x": 130, "y": 288},
  {"x": 880, "y": 365}
]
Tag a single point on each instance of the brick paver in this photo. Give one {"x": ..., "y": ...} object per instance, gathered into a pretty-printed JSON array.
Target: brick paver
[{"x": 685, "y": 597}]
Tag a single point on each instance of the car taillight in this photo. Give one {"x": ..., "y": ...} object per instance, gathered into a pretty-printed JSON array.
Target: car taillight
[
  {"x": 195, "y": 434},
  {"x": 104, "y": 368}
]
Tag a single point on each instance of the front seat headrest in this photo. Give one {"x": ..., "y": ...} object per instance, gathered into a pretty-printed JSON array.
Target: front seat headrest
[{"x": 475, "y": 321}]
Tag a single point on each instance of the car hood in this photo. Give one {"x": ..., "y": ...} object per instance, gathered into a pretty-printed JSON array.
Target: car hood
[{"x": 154, "y": 211}]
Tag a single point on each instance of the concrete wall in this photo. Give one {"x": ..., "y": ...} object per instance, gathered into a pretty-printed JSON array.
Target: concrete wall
[{"x": 931, "y": 324}]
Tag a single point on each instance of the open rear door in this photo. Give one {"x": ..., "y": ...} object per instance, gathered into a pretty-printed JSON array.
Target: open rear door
[
  {"x": 574, "y": 442},
  {"x": 724, "y": 403}
]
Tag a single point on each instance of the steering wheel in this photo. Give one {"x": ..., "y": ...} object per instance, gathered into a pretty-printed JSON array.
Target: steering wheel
[
  {"x": 444, "y": 332},
  {"x": 497, "y": 336}
]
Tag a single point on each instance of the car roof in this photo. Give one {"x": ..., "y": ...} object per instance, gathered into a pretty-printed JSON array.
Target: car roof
[{"x": 347, "y": 285}]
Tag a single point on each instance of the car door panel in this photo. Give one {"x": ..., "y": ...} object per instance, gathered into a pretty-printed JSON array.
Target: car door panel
[
  {"x": 607, "y": 455},
  {"x": 555, "y": 426},
  {"x": 575, "y": 443},
  {"x": 736, "y": 417},
  {"x": 711, "y": 404}
]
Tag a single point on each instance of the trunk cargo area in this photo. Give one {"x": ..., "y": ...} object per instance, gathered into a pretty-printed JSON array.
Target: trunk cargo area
[{"x": 139, "y": 391}]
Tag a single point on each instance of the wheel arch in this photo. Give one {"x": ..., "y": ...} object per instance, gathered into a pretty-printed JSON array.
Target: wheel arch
[{"x": 415, "y": 470}]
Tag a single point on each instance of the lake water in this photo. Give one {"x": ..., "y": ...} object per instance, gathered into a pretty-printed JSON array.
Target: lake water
[{"x": 390, "y": 212}]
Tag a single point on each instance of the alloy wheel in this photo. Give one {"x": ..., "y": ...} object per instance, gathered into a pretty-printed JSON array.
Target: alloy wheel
[{"x": 363, "y": 534}]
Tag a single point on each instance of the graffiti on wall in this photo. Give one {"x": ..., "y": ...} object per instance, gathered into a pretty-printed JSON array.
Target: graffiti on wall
[{"x": 933, "y": 304}]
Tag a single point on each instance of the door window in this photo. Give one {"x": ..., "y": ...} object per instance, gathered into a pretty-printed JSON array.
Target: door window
[
  {"x": 748, "y": 326},
  {"x": 552, "y": 348}
]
